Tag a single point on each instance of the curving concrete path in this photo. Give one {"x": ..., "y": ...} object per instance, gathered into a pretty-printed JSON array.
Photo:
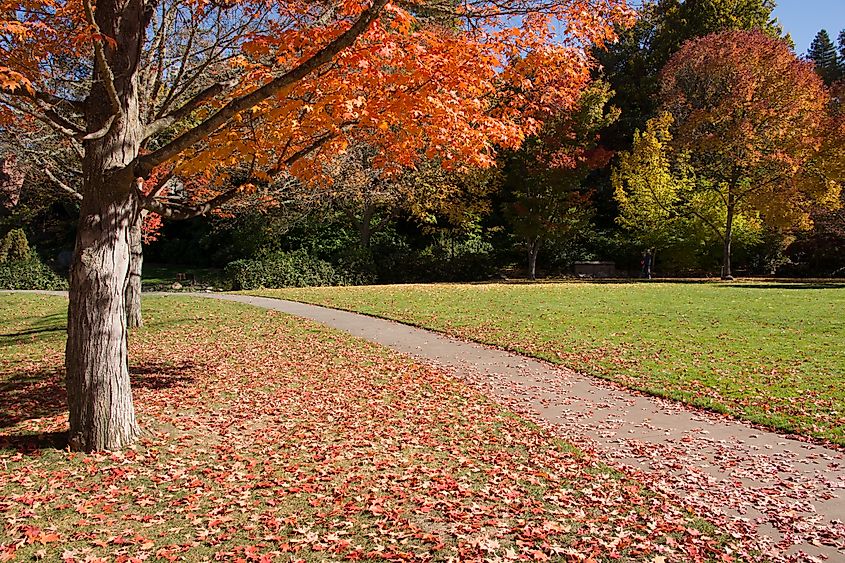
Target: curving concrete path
[{"x": 786, "y": 494}]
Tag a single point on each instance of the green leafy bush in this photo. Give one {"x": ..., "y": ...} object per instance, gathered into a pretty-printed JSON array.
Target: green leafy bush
[
  {"x": 282, "y": 269},
  {"x": 29, "y": 274},
  {"x": 14, "y": 246}
]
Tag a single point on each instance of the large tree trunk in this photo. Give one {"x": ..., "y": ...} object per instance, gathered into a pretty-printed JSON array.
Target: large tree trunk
[
  {"x": 136, "y": 262},
  {"x": 726, "y": 249},
  {"x": 102, "y": 416},
  {"x": 533, "y": 251}
]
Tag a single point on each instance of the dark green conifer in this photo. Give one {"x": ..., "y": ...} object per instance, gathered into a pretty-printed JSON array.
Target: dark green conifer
[{"x": 823, "y": 54}]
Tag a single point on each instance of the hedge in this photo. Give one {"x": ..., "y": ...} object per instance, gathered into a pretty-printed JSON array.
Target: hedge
[
  {"x": 29, "y": 274},
  {"x": 282, "y": 269}
]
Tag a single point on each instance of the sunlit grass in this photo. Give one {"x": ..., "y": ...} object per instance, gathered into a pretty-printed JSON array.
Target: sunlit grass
[{"x": 769, "y": 353}]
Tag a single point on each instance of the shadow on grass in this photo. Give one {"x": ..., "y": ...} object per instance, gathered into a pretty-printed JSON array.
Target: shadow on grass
[
  {"x": 41, "y": 394},
  {"x": 157, "y": 375},
  {"x": 31, "y": 395},
  {"x": 744, "y": 283},
  {"x": 795, "y": 285},
  {"x": 40, "y": 328},
  {"x": 33, "y": 443}
]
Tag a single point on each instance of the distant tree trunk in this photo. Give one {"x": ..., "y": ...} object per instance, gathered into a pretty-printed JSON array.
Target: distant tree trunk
[
  {"x": 726, "y": 250},
  {"x": 136, "y": 262},
  {"x": 365, "y": 230},
  {"x": 533, "y": 251},
  {"x": 653, "y": 262},
  {"x": 102, "y": 416},
  {"x": 364, "y": 225}
]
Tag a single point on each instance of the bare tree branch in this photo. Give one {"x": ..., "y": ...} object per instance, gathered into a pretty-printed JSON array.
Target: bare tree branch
[
  {"x": 64, "y": 127},
  {"x": 45, "y": 97},
  {"x": 102, "y": 131},
  {"x": 159, "y": 186},
  {"x": 166, "y": 121},
  {"x": 146, "y": 163},
  {"x": 181, "y": 212},
  {"x": 103, "y": 67},
  {"x": 62, "y": 185}
]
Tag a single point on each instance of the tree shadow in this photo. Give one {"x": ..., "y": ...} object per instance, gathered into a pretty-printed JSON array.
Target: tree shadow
[
  {"x": 40, "y": 328},
  {"x": 34, "y": 443},
  {"x": 41, "y": 394},
  {"x": 160, "y": 375},
  {"x": 31, "y": 395},
  {"x": 749, "y": 283},
  {"x": 795, "y": 285}
]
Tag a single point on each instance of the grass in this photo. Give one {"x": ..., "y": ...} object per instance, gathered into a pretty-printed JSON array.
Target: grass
[
  {"x": 768, "y": 353},
  {"x": 270, "y": 438}
]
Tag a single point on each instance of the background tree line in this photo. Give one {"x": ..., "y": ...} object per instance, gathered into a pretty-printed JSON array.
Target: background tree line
[{"x": 632, "y": 166}]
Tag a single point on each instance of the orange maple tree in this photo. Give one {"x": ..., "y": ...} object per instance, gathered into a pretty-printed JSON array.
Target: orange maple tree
[{"x": 130, "y": 86}]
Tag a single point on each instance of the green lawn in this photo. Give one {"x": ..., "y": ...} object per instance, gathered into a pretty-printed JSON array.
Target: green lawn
[
  {"x": 274, "y": 439},
  {"x": 770, "y": 353}
]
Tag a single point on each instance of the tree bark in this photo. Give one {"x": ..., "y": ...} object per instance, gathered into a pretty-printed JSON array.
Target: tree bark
[
  {"x": 102, "y": 415},
  {"x": 533, "y": 251},
  {"x": 365, "y": 230},
  {"x": 726, "y": 249},
  {"x": 134, "y": 318}
]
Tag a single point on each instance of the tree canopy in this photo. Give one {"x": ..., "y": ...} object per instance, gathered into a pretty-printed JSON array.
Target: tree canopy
[
  {"x": 823, "y": 54},
  {"x": 752, "y": 120}
]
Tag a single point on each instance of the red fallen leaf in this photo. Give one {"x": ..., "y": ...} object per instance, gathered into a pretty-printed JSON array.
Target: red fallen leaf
[
  {"x": 34, "y": 534},
  {"x": 44, "y": 538},
  {"x": 165, "y": 553},
  {"x": 538, "y": 555},
  {"x": 7, "y": 553}
]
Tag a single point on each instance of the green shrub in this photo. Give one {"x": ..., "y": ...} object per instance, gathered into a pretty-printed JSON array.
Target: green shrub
[
  {"x": 14, "y": 246},
  {"x": 29, "y": 274},
  {"x": 282, "y": 269}
]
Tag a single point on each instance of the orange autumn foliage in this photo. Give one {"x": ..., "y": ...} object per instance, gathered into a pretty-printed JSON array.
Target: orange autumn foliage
[{"x": 455, "y": 85}]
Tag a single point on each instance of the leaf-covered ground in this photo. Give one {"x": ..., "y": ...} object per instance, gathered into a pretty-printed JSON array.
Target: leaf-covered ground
[
  {"x": 768, "y": 353},
  {"x": 274, "y": 439}
]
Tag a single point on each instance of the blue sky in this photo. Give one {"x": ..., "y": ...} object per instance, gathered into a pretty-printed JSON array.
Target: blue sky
[{"x": 804, "y": 18}]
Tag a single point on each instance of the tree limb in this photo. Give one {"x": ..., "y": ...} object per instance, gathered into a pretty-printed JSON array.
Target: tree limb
[
  {"x": 62, "y": 185},
  {"x": 146, "y": 163},
  {"x": 101, "y": 132},
  {"x": 159, "y": 186},
  {"x": 102, "y": 64},
  {"x": 45, "y": 97},
  {"x": 179, "y": 212},
  {"x": 166, "y": 121},
  {"x": 64, "y": 127}
]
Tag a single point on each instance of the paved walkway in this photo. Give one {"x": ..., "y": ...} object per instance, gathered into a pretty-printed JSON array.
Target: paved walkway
[
  {"x": 785, "y": 494},
  {"x": 789, "y": 494}
]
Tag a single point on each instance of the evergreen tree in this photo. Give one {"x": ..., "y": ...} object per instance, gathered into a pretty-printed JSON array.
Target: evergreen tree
[
  {"x": 823, "y": 54},
  {"x": 841, "y": 41}
]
